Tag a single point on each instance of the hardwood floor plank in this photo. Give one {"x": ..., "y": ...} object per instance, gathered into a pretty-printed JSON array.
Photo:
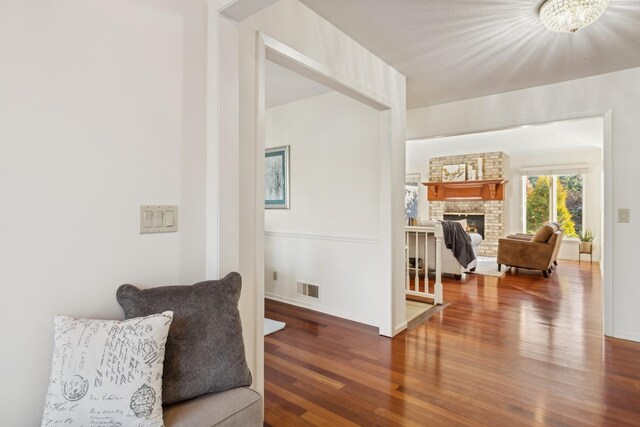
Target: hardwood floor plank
[
  {"x": 315, "y": 420},
  {"x": 301, "y": 370},
  {"x": 519, "y": 350},
  {"x": 400, "y": 417},
  {"x": 286, "y": 409},
  {"x": 319, "y": 411}
]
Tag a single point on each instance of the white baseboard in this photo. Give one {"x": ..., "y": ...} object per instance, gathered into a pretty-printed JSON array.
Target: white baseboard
[
  {"x": 322, "y": 309},
  {"x": 629, "y": 336},
  {"x": 401, "y": 327}
]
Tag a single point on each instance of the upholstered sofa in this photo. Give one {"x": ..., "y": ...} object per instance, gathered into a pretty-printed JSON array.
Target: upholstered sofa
[
  {"x": 206, "y": 379},
  {"x": 238, "y": 407},
  {"x": 178, "y": 345},
  {"x": 534, "y": 252},
  {"x": 450, "y": 264}
]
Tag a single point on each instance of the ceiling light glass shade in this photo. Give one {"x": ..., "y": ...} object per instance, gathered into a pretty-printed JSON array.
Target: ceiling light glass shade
[{"x": 569, "y": 16}]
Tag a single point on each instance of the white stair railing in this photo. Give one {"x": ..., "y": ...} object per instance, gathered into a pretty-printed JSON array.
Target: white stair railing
[{"x": 417, "y": 238}]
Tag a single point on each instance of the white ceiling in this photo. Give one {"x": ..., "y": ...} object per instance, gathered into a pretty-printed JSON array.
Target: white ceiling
[
  {"x": 550, "y": 137},
  {"x": 284, "y": 86},
  {"x": 458, "y": 49}
]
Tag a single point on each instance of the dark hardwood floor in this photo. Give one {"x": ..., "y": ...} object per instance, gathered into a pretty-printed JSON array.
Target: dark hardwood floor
[{"x": 517, "y": 351}]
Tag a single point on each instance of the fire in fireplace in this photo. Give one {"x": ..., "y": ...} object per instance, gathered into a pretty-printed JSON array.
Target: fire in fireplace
[{"x": 475, "y": 221}]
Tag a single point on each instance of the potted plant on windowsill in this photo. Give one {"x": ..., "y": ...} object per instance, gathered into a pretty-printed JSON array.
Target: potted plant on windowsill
[{"x": 586, "y": 241}]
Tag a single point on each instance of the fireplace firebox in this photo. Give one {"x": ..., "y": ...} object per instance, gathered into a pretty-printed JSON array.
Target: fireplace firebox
[{"x": 475, "y": 221}]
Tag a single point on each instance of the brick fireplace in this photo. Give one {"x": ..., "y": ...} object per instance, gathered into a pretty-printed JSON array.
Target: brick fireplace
[
  {"x": 493, "y": 167},
  {"x": 475, "y": 220}
]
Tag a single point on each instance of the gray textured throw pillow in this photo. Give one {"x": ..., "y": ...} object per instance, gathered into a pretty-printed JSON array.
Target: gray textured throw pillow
[{"x": 205, "y": 349}]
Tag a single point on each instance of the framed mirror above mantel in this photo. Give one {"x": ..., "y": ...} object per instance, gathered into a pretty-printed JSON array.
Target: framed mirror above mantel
[{"x": 487, "y": 189}]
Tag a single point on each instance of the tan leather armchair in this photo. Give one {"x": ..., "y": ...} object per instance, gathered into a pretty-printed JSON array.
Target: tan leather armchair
[{"x": 537, "y": 253}]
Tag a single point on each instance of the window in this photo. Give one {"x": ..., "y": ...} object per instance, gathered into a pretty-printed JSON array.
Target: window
[{"x": 557, "y": 198}]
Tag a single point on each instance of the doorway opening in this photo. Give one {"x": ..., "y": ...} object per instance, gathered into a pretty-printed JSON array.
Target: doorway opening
[
  {"x": 554, "y": 172},
  {"x": 328, "y": 247},
  {"x": 322, "y": 198}
]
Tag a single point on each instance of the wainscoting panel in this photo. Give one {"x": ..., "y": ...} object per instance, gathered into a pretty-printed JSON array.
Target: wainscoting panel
[{"x": 345, "y": 269}]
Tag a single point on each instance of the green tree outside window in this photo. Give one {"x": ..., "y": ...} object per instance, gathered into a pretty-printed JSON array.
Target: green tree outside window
[
  {"x": 568, "y": 193},
  {"x": 538, "y": 188}
]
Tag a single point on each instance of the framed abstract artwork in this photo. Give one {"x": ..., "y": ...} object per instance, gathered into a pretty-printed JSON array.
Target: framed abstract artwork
[
  {"x": 276, "y": 178},
  {"x": 411, "y": 205},
  {"x": 454, "y": 172}
]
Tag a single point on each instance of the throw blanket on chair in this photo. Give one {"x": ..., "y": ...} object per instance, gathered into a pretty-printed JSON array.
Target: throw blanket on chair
[{"x": 456, "y": 239}]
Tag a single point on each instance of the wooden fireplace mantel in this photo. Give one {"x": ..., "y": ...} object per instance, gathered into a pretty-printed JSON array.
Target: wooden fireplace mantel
[{"x": 486, "y": 189}]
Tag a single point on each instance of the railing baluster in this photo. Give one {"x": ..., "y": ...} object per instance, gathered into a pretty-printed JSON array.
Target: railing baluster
[
  {"x": 417, "y": 233},
  {"x": 407, "y": 280},
  {"x": 417, "y": 271},
  {"x": 426, "y": 262}
]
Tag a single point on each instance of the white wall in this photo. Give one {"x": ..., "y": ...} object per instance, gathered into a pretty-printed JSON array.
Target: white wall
[
  {"x": 617, "y": 97},
  {"x": 102, "y": 110},
  {"x": 293, "y": 24},
  {"x": 330, "y": 235}
]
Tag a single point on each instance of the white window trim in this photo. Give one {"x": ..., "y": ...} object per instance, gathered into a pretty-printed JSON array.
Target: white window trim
[
  {"x": 570, "y": 169},
  {"x": 553, "y": 200}
]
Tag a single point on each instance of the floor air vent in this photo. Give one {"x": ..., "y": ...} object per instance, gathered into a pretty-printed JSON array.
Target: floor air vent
[{"x": 308, "y": 289}]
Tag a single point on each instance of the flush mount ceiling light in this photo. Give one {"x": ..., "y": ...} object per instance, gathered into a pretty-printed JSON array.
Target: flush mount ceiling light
[{"x": 569, "y": 16}]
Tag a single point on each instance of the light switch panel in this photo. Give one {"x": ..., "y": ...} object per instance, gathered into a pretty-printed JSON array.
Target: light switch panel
[
  {"x": 147, "y": 219},
  {"x": 168, "y": 219},
  {"x": 624, "y": 216},
  {"x": 158, "y": 219}
]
